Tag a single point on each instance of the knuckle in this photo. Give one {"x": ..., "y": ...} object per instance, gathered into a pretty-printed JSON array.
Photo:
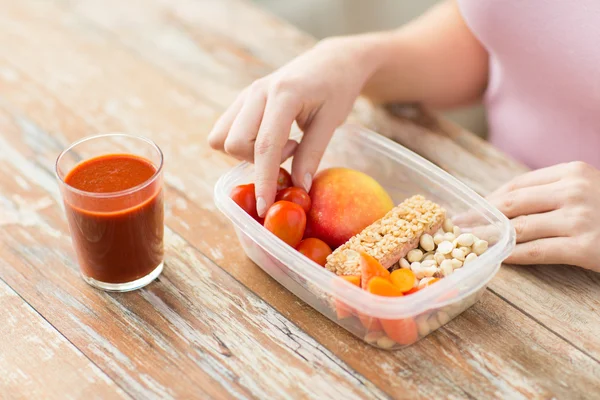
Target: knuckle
[
  {"x": 512, "y": 186},
  {"x": 263, "y": 182},
  {"x": 586, "y": 242},
  {"x": 256, "y": 87},
  {"x": 579, "y": 218},
  {"x": 576, "y": 191},
  {"x": 233, "y": 147},
  {"x": 535, "y": 252},
  {"x": 283, "y": 86},
  {"x": 264, "y": 146},
  {"x": 579, "y": 168},
  {"x": 508, "y": 203},
  {"x": 520, "y": 224}
]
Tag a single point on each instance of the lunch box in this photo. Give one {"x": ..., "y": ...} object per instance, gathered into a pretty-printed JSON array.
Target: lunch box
[{"x": 403, "y": 174}]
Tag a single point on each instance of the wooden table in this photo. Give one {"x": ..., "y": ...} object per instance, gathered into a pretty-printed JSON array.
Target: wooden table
[{"x": 214, "y": 325}]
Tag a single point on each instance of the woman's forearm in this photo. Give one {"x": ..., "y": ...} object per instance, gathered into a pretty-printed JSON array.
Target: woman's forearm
[{"x": 435, "y": 60}]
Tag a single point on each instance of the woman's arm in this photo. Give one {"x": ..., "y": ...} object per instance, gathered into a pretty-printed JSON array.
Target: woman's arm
[{"x": 435, "y": 60}]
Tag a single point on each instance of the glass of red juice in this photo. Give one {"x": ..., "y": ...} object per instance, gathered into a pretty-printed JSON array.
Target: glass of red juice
[{"x": 112, "y": 189}]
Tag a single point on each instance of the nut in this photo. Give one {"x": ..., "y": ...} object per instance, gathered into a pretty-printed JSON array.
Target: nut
[
  {"x": 458, "y": 254},
  {"x": 480, "y": 246},
  {"x": 448, "y": 225},
  {"x": 425, "y": 271},
  {"x": 443, "y": 317},
  {"x": 429, "y": 271},
  {"x": 438, "y": 238},
  {"x": 457, "y": 264},
  {"x": 446, "y": 268},
  {"x": 466, "y": 239},
  {"x": 449, "y": 236},
  {"x": 428, "y": 263},
  {"x": 439, "y": 258},
  {"x": 470, "y": 257},
  {"x": 428, "y": 256},
  {"x": 427, "y": 242},
  {"x": 422, "y": 325},
  {"x": 385, "y": 342},
  {"x": 456, "y": 231},
  {"x": 465, "y": 249},
  {"x": 433, "y": 323},
  {"x": 445, "y": 247},
  {"x": 373, "y": 337},
  {"x": 423, "y": 282},
  {"x": 404, "y": 263},
  {"x": 414, "y": 255}
]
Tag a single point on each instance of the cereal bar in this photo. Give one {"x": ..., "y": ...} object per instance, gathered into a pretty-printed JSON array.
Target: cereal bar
[{"x": 389, "y": 238}]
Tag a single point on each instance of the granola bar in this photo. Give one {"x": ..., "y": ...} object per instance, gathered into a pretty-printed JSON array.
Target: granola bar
[{"x": 389, "y": 238}]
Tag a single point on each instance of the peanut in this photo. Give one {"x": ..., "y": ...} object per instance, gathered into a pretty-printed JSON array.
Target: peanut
[
  {"x": 443, "y": 317},
  {"x": 449, "y": 236},
  {"x": 466, "y": 239},
  {"x": 385, "y": 342},
  {"x": 423, "y": 282},
  {"x": 439, "y": 258},
  {"x": 427, "y": 242},
  {"x": 422, "y": 325},
  {"x": 372, "y": 337},
  {"x": 428, "y": 256},
  {"x": 414, "y": 255},
  {"x": 470, "y": 257},
  {"x": 429, "y": 271},
  {"x": 433, "y": 323},
  {"x": 445, "y": 247},
  {"x": 458, "y": 254},
  {"x": 404, "y": 263},
  {"x": 448, "y": 225},
  {"x": 446, "y": 268},
  {"x": 479, "y": 247},
  {"x": 438, "y": 238}
]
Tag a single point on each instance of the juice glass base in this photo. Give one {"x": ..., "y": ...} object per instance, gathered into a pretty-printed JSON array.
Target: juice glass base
[{"x": 126, "y": 286}]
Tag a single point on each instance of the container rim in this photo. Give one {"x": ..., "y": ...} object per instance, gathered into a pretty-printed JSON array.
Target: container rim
[{"x": 477, "y": 272}]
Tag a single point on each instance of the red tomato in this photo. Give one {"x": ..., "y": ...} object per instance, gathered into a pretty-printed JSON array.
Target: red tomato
[
  {"x": 295, "y": 195},
  {"x": 287, "y": 221},
  {"x": 284, "y": 180},
  {"x": 315, "y": 249},
  {"x": 245, "y": 197}
]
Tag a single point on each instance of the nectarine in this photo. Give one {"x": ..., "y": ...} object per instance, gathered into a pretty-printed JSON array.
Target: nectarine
[{"x": 344, "y": 202}]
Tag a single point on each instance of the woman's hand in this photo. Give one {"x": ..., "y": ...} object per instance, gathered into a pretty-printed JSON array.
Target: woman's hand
[
  {"x": 317, "y": 90},
  {"x": 556, "y": 214}
]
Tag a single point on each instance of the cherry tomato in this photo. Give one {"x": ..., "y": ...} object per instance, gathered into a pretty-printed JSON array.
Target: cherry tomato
[
  {"x": 295, "y": 195},
  {"x": 245, "y": 197},
  {"x": 284, "y": 179},
  {"x": 315, "y": 249},
  {"x": 287, "y": 221}
]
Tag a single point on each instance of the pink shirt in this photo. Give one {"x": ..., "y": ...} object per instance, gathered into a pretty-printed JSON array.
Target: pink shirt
[{"x": 543, "y": 96}]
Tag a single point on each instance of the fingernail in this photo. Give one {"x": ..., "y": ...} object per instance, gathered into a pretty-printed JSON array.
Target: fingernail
[
  {"x": 261, "y": 207},
  {"x": 307, "y": 181}
]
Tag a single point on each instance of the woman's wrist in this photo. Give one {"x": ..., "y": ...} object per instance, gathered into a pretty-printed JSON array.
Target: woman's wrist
[{"x": 366, "y": 51}]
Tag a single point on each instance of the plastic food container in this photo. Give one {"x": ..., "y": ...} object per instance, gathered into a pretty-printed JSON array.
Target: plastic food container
[{"x": 402, "y": 173}]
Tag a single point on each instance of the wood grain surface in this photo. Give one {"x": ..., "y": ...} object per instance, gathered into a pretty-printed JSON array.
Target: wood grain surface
[{"x": 214, "y": 325}]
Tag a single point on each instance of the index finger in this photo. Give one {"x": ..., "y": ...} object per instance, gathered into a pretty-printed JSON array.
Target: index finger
[
  {"x": 280, "y": 113},
  {"x": 538, "y": 177}
]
